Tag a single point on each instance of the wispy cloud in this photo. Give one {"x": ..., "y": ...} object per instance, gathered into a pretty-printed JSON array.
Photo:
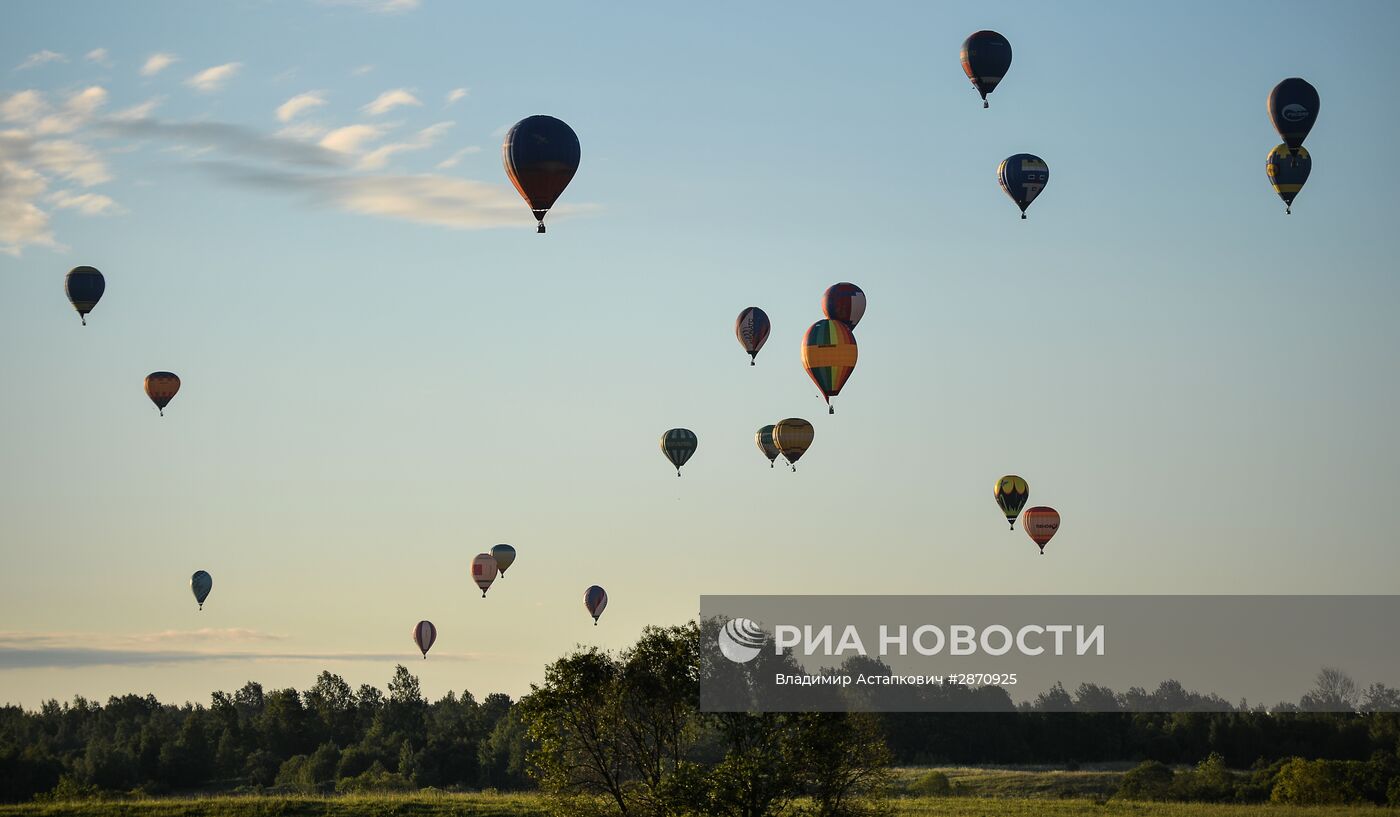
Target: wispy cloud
[
  {"x": 234, "y": 140},
  {"x": 141, "y": 111},
  {"x": 350, "y": 138},
  {"x": 77, "y": 111},
  {"x": 299, "y": 103},
  {"x": 213, "y": 78},
  {"x": 456, "y": 95},
  {"x": 158, "y": 62},
  {"x": 390, "y": 100},
  {"x": 453, "y": 160},
  {"x": 23, "y": 106},
  {"x": 40, "y": 58},
  {"x": 376, "y": 6},
  {"x": 422, "y": 140},
  {"x": 89, "y": 204},
  {"x": 361, "y": 70},
  {"x": 97, "y": 55},
  {"x": 22, "y": 222}
]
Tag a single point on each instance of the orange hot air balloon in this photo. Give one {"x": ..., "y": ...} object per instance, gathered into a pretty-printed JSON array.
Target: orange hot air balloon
[
  {"x": 829, "y": 356},
  {"x": 1040, "y": 523},
  {"x": 162, "y": 387}
]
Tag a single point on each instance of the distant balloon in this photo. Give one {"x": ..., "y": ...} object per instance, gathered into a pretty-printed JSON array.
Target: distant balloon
[
  {"x": 764, "y": 438},
  {"x": 752, "y": 329},
  {"x": 484, "y": 571},
  {"x": 1288, "y": 173},
  {"x": 679, "y": 445},
  {"x": 595, "y": 600},
  {"x": 845, "y": 303},
  {"x": 541, "y": 155},
  {"x": 424, "y": 634},
  {"x": 504, "y": 556},
  {"x": 84, "y": 286},
  {"x": 1023, "y": 176},
  {"x": 1011, "y": 493},
  {"x": 162, "y": 387},
  {"x": 793, "y": 437},
  {"x": 200, "y": 584},
  {"x": 1293, "y": 105},
  {"x": 829, "y": 356},
  {"x": 986, "y": 56},
  {"x": 1041, "y": 523}
]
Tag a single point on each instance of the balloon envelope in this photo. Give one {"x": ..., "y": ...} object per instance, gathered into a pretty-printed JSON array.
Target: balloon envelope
[
  {"x": 84, "y": 286},
  {"x": 1011, "y": 493},
  {"x": 829, "y": 356},
  {"x": 764, "y": 438},
  {"x": 752, "y": 328},
  {"x": 424, "y": 634},
  {"x": 484, "y": 571},
  {"x": 793, "y": 437},
  {"x": 541, "y": 155},
  {"x": 200, "y": 584},
  {"x": 1293, "y": 105},
  {"x": 504, "y": 556},
  {"x": 1288, "y": 173},
  {"x": 1023, "y": 176},
  {"x": 844, "y": 302},
  {"x": 1041, "y": 523},
  {"x": 679, "y": 445},
  {"x": 162, "y": 387},
  {"x": 595, "y": 600},
  {"x": 986, "y": 56}
]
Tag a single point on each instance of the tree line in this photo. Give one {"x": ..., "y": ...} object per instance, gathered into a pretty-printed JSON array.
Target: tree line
[{"x": 625, "y": 730}]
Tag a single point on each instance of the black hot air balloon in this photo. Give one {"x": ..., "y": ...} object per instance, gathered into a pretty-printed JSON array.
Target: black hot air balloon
[
  {"x": 986, "y": 56},
  {"x": 1293, "y": 105},
  {"x": 1023, "y": 176},
  {"x": 541, "y": 155},
  {"x": 85, "y": 286}
]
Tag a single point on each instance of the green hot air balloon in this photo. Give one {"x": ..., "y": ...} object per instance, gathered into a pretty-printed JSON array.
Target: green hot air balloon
[{"x": 678, "y": 445}]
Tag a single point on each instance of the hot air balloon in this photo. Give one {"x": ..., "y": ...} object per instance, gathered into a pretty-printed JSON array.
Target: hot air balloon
[
  {"x": 678, "y": 445},
  {"x": 484, "y": 571},
  {"x": 84, "y": 286},
  {"x": 793, "y": 437},
  {"x": 845, "y": 303},
  {"x": 424, "y": 634},
  {"x": 1288, "y": 177},
  {"x": 1011, "y": 493},
  {"x": 986, "y": 56},
  {"x": 541, "y": 155},
  {"x": 595, "y": 600},
  {"x": 829, "y": 356},
  {"x": 200, "y": 584},
  {"x": 1023, "y": 176},
  {"x": 1293, "y": 105},
  {"x": 764, "y": 438},
  {"x": 1041, "y": 523},
  {"x": 752, "y": 329},
  {"x": 162, "y": 387},
  {"x": 504, "y": 556}
]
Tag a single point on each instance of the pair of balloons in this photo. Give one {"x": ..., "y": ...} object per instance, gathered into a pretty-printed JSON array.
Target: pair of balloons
[
  {"x": 986, "y": 57},
  {"x": 487, "y": 566},
  {"x": 829, "y": 351},
  {"x": 1041, "y": 522},
  {"x": 790, "y": 438},
  {"x": 85, "y": 286},
  {"x": 1293, "y": 107}
]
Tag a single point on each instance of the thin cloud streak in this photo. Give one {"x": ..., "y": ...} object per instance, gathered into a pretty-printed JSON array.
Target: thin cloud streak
[
  {"x": 158, "y": 62},
  {"x": 40, "y": 58},
  {"x": 14, "y": 658},
  {"x": 233, "y": 139},
  {"x": 214, "y": 78}
]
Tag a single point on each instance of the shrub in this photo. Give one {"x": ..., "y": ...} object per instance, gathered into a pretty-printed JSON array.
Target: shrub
[
  {"x": 933, "y": 784},
  {"x": 1320, "y": 782},
  {"x": 374, "y": 779},
  {"x": 1149, "y": 780}
]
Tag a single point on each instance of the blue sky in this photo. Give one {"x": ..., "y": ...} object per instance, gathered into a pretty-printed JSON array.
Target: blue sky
[{"x": 300, "y": 209}]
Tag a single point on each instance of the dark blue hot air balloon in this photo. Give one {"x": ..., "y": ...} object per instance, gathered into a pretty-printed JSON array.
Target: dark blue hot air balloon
[
  {"x": 1023, "y": 176},
  {"x": 541, "y": 155},
  {"x": 85, "y": 286},
  {"x": 986, "y": 56},
  {"x": 1293, "y": 105}
]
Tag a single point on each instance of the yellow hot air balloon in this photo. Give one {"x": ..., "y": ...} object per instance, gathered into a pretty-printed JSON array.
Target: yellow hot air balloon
[
  {"x": 1011, "y": 494},
  {"x": 793, "y": 437}
]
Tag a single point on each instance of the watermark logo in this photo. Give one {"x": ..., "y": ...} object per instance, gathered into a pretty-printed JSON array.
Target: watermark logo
[{"x": 741, "y": 640}]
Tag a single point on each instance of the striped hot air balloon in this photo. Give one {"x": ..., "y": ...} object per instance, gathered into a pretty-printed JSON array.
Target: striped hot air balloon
[
  {"x": 1041, "y": 523},
  {"x": 84, "y": 286},
  {"x": 200, "y": 584},
  {"x": 764, "y": 438},
  {"x": 1288, "y": 173},
  {"x": 793, "y": 437},
  {"x": 1011, "y": 493},
  {"x": 752, "y": 328},
  {"x": 162, "y": 387},
  {"x": 679, "y": 445},
  {"x": 424, "y": 634},
  {"x": 829, "y": 355},
  {"x": 505, "y": 557},
  {"x": 844, "y": 302},
  {"x": 484, "y": 570},
  {"x": 595, "y": 600},
  {"x": 541, "y": 156}
]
